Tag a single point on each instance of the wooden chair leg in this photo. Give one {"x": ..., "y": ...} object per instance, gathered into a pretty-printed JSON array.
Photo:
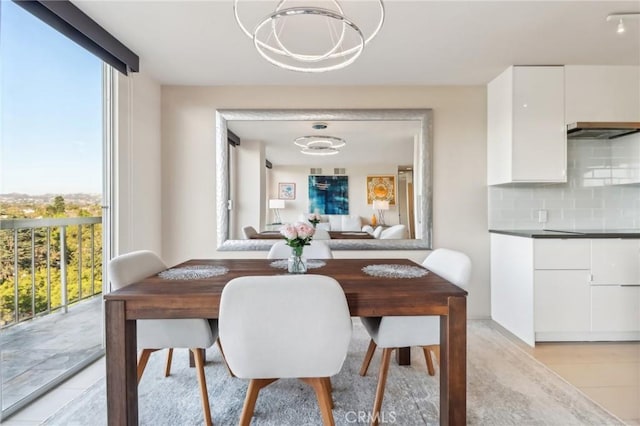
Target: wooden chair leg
[
  {"x": 367, "y": 358},
  {"x": 142, "y": 361},
  {"x": 320, "y": 387},
  {"x": 326, "y": 381},
  {"x": 250, "y": 400},
  {"x": 202, "y": 381},
  {"x": 167, "y": 367},
  {"x": 224, "y": 358},
  {"x": 427, "y": 357},
  {"x": 382, "y": 381}
]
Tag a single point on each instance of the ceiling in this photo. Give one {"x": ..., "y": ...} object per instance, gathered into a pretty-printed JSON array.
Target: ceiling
[{"x": 421, "y": 43}]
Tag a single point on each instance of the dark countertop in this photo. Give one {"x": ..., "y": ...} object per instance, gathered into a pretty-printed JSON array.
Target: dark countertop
[{"x": 574, "y": 233}]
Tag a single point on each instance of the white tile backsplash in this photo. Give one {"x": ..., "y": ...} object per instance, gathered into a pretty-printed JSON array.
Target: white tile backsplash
[{"x": 602, "y": 192}]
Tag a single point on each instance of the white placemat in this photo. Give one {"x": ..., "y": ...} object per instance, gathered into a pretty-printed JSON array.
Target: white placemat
[
  {"x": 395, "y": 271},
  {"x": 193, "y": 272}
]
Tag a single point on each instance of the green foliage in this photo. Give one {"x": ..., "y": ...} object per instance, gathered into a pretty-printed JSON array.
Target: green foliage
[{"x": 42, "y": 290}]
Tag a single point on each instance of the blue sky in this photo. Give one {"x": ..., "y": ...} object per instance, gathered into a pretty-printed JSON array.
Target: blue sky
[{"x": 50, "y": 107}]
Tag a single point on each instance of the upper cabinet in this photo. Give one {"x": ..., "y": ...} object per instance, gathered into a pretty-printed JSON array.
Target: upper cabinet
[
  {"x": 526, "y": 133},
  {"x": 602, "y": 93}
]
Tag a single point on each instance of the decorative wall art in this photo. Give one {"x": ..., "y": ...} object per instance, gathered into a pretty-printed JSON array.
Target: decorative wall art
[
  {"x": 329, "y": 194},
  {"x": 381, "y": 188},
  {"x": 287, "y": 191}
]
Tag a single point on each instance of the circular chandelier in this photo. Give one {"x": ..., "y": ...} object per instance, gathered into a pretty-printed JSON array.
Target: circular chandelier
[
  {"x": 319, "y": 145},
  {"x": 282, "y": 37}
]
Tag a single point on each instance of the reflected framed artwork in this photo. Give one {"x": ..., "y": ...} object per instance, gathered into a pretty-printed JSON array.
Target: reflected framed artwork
[
  {"x": 329, "y": 194},
  {"x": 381, "y": 187},
  {"x": 287, "y": 191}
]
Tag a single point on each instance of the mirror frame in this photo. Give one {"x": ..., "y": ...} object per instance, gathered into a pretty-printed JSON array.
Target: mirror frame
[{"x": 424, "y": 202}]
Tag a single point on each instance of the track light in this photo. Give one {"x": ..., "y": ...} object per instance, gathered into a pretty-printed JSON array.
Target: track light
[{"x": 620, "y": 17}]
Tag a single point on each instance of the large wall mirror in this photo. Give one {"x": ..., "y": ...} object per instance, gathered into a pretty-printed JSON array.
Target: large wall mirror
[{"x": 264, "y": 178}]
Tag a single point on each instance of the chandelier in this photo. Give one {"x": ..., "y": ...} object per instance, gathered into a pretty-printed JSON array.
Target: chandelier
[
  {"x": 319, "y": 145},
  {"x": 283, "y": 36}
]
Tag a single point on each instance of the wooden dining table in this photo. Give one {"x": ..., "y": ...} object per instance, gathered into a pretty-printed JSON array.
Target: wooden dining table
[{"x": 155, "y": 297}]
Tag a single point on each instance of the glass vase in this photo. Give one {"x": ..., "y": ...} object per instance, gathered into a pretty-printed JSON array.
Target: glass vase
[{"x": 297, "y": 264}]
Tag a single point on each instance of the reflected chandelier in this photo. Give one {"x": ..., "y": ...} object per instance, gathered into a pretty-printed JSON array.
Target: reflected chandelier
[
  {"x": 319, "y": 145},
  {"x": 343, "y": 39}
]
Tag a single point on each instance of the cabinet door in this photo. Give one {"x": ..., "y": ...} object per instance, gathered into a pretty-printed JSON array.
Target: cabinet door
[
  {"x": 615, "y": 308},
  {"x": 562, "y": 301},
  {"x": 559, "y": 253},
  {"x": 602, "y": 93},
  {"x": 615, "y": 262},
  {"x": 539, "y": 132}
]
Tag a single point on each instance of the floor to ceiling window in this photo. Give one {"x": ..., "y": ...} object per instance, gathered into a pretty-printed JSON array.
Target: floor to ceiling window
[{"x": 51, "y": 226}]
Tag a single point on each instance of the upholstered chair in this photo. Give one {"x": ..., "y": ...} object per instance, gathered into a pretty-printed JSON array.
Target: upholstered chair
[
  {"x": 248, "y": 232},
  {"x": 154, "y": 335},
  {"x": 377, "y": 232},
  {"x": 285, "y": 326},
  {"x": 316, "y": 250},
  {"x": 404, "y": 331},
  {"x": 321, "y": 234},
  {"x": 395, "y": 232}
]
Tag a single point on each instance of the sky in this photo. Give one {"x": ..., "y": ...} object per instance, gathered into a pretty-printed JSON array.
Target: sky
[{"x": 50, "y": 109}]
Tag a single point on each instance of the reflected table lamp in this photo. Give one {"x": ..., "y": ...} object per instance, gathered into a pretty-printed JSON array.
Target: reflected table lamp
[
  {"x": 380, "y": 206},
  {"x": 276, "y": 205}
]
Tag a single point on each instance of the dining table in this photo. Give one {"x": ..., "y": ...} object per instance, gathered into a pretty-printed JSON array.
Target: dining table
[{"x": 162, "y": 297}]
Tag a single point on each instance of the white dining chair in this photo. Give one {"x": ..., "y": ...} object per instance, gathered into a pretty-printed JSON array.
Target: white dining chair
[
  {"x": 315, "y": 250},
  {"x": 395, "y": 232},
  {"x": 248, "y": 232},
  {"x": 157, "y": 334},
  {"x": 394, "y": 332},
  {"x": 285, "y": 326}
]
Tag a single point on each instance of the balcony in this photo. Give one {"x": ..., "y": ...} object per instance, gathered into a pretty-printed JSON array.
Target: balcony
[{"x": 50, "y": 304}]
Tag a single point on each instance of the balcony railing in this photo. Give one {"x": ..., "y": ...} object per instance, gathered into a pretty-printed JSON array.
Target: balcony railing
[{"x": 48, "y": 264}]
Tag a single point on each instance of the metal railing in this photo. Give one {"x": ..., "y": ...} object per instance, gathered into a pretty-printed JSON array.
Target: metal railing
[{"x": 20, "y": 228}]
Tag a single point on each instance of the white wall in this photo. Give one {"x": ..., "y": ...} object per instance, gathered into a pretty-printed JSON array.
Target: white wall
[
  {"x": 137, "y": 189},
  {"x": 459, "y": 192},
  {"x": 357, "y": 190}
]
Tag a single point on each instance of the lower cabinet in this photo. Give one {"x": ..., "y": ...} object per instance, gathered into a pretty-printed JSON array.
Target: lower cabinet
[
  {"x": 562, "y": 301},
  {"x": 566, "y": 289},
  {"x": 615, "y": 309}
]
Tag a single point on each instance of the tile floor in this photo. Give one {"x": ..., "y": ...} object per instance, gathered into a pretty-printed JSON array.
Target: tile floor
[{"x": 609, "y": 373}]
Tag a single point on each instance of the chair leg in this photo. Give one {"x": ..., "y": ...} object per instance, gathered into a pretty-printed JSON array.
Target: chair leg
[
  {"x": 326, "y": 381},
  {"x": 167, "y": 367},
  {"x": 142, "y": 361},
  {"x": 367, "y": 358},
  {"x": 427, "y": 357},
  {"x": 224, "y": 358},
  {"x": 382, "y": 381},
  {"x": 324, "y": 402},
  {"x": 250, "y": 400},
  {"x": 202, "y": 381}
]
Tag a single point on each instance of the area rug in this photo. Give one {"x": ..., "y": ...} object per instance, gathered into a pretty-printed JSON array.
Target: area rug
[{"x": 506, "y": 386}]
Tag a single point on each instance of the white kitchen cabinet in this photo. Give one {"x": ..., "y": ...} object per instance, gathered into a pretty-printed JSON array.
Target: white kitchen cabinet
[
  {"x": 526, "y": 131},
  {"x": 562, "y": 300},
  {"x": 572, "y": 289},
  {"x": 615, "y": 262},
  {"x": 616, "y": 309},
  {"x": 602, "y": 93}
]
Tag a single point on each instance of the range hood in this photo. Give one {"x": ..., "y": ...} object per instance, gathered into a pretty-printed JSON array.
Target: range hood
[{"x": 601, "y": 130}]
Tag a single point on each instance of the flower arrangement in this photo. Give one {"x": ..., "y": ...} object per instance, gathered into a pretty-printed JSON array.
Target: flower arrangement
[
  {"x": 314, "y": 218},
  {"x": 297, "y": 235}
]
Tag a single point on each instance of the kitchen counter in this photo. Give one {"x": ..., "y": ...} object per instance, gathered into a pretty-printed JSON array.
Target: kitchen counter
[{"x": 574, "y": 233}]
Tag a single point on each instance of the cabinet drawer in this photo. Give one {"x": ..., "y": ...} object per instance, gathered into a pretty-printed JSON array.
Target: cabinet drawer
[
  {"x": 615, "y": 308},
  {"x": 562, "y": 254}
]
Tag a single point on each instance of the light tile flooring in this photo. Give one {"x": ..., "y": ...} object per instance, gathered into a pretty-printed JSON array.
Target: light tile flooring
[{"x": 609, "y": 373}]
